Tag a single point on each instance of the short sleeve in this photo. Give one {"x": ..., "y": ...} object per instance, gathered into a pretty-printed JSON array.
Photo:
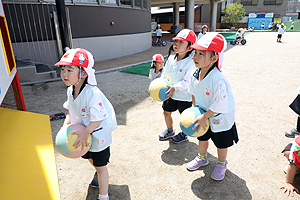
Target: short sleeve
[
  {"x": 220, "y": 100},
  {"x": 97, "y": 108},
  {"x": 66, "y": 105},
  {"x": 191, "y": 88}
]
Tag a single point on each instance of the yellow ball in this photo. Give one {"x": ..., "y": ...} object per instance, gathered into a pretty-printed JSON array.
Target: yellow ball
[
  {"x": 186, "y": 122},
  {"x": 158, "y": 88}
]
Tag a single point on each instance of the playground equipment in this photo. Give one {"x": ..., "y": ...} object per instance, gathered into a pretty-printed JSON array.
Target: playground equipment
[{"x": 28, "y": 169}]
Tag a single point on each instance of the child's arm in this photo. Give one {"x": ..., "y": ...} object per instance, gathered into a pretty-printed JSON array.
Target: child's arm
[
  {"x": 67, "y": 119},
  {"x": 288, "y": 187},
  {"x": 201, "y": 120},
  {"x": 193, "y": 101},
  {"x": 84, "y": 134}
]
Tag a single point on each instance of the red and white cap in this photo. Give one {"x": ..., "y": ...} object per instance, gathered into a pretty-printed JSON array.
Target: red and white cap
[
  {"x": 158, "y": 58},
  {"x": 81, "y": 58},
  {"x": 295, "y": 150},
  {"x": 212, "y": 42},
  {"x": 186, "y": 35}
]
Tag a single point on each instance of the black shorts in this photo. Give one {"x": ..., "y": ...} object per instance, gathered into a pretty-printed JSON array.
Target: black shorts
[
  {"x": 100, "y": 158},
  {"x": 171, "y": 105},
  {"x": 222, "y": 139},
  {"x": 238, "y": 38},
  {"x": 295, "y": 105},
  {"x": 158, "y": 37},
  {"x": 279, "y": 35}
]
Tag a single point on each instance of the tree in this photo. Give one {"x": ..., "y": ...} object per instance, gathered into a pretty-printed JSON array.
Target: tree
[{"x": 233, "y": 14}]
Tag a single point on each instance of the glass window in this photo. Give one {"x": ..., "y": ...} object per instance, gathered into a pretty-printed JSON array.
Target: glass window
[
  {"x": 298, "y": 9},
  {"x": 137, "y": 3},
  {"x": 125, "y": 2},
  {"x": 289, "y": 9},
  {"x": 145, "y": 4},
  {"x": 109, "y": 1},
  {"x": 291, "y": 1},
  {"x": 269, "y": 2},
  {"x": 246, "y": 2},
  {"x": 89, "y": 1}
]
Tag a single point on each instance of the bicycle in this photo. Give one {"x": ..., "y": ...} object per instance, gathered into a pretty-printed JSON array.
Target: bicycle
[{"x": 162, "y": 43}]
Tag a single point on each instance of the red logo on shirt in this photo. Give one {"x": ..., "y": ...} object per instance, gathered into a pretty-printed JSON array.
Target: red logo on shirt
[
  {"x": 207, "y": 93},
  {"x": 82, "y": 110},
  {"x": 180, "y": 70}
]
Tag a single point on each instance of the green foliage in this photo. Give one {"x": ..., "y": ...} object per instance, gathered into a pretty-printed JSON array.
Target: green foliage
[{"x": 233, "y": 14}]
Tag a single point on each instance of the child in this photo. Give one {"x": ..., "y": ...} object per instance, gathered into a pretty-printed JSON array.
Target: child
[
  {"x": 291, "y": 152},
  {"x": 158, "y": 33},
  {"x": 280, "y": 32},
  {"x": 292, "y": 27},
  {"x": 262, "y": 26},
  {"x": 177, "y": 71},
  {"x": 203, "y": 31},
  {"x": 270, "y": 26},
  {"x": 156, "y": 66},
  {"x": 295, "y": 106},
  {"x": 88, "y": 106},
  {"x": 239, "y": 34},
  {"x": 211, "y": 91}
]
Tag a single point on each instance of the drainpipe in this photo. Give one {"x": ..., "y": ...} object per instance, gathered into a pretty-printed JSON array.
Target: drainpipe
[{"x": 63, "y": 26}]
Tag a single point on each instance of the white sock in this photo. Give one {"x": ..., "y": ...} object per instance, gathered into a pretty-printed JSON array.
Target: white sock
[{"x": 103, "y": 197}]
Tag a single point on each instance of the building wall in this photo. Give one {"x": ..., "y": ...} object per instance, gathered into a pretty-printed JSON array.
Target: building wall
[{"x": 279, "y": 8}]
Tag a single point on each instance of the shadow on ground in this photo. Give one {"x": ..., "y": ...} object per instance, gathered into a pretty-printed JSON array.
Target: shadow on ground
[{"x": 116, "y": 192}]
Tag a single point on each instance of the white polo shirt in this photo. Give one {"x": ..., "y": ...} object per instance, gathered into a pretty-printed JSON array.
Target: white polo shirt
[
  {"x": 214, "y": 93},
  {"x": 178, "y": 73},
  {"x": 91, "y": 105}
]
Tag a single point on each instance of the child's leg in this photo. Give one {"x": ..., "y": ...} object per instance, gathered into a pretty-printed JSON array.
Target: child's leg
[
  {"x": 168, "y": 119},
  {"x": 286, "y": 154},
  {"x": 222, "y": 154},
  {"x": 201, "y": 159},
  {"x": 103, "y": 179}
]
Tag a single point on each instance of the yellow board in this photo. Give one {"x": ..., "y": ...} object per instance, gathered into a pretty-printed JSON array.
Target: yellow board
[{"x": 27, "y": 162}]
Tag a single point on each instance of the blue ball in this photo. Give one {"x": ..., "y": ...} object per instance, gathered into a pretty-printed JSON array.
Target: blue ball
[
  {"x": 186, "y": 122},
  {"x": 158, "y": 88}
]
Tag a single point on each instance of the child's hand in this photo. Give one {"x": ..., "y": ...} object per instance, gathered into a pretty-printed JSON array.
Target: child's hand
[
  {"x": 201, "y": 122},
  {"x": 170, "y": 91},
  {"x": 289, "y": 189},
  {"x": 82, "y": 139}
]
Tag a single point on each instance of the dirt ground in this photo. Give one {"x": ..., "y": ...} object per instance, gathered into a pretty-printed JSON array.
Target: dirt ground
[{"x": 264, "y": 76}]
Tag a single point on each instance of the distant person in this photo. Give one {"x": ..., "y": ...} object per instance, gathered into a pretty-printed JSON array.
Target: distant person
[
  {"x": 292, "y": 27},
  {"x": 158, "y": 33},
  {"x": 157, "y": 65},
  {"x": 212, "y": 92},
  {"x": 262, "y": 26},
  {"x": 291, "y": 152},
  {"x": 239, "y": 34},
  {"x": 270, "y": 28},
  {"x": 277, "y": 26},
  {"x": 203, "y": 31},
  {"x": 177, "y": 71},
  {"x": 295, "y": 106},
  {"x": 280, "y": 32}
]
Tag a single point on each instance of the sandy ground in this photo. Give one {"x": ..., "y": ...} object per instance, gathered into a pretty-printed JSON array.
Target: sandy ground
[{"x": 264, "y": 76}]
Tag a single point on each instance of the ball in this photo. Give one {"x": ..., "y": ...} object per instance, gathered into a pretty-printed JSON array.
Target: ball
[
  {"x": 158, "y": 88},
  {"x": 65, "y": 140},
  {"x": 186, "y": 122}
]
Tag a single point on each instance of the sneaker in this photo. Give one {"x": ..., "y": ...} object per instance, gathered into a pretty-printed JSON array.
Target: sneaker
[
  {"x": 94, "y": 182},
  {"x": 292, "y": 133},
  {"x": 286, "y": 167},
  {"x": 166, "y": 135},
  {"x": 196, "y": 163},
  {"x": 180, "y": 137},
  {"x": 219, "y": 171},
  {"x": 107, "y": 199}
]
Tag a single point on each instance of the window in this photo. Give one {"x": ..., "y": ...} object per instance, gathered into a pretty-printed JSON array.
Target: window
[
  {"x": 125, "y": 2},
  {"x": 291, "y": 1},
  {"x": 89, "y": 1},
  {"x": 145, "y": 4},
  {"x": 269, "y": 2},
  {"x": 246, "y": 2},
  {"x": 137, "y": 3},
  {"x": 289, "y": 9},
  {"x": 298, "y": 9},
  {"x": 109, "y": 1}
]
